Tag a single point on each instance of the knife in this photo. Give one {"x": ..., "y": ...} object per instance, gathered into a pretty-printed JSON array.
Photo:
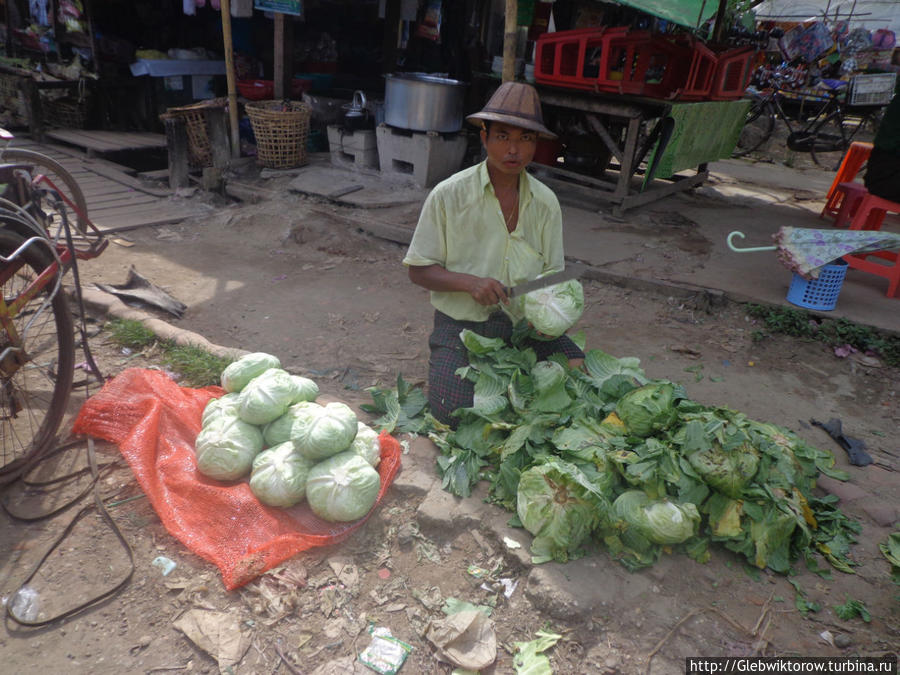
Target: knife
[{"x": 571, "y": 272}]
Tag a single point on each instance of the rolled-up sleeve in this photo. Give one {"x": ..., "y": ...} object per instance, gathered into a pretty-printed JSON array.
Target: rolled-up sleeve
[{"x": 429, "y": 240}]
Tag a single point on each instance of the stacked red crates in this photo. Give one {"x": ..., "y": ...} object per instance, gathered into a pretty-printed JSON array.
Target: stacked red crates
[
  {"x": 617, "y": 60},
  {"x": 566, "y": 58},
  {"x": 700, "y": 75},
  {"x": 639, "y": 63},
  {"x": 734, "y": 68}
]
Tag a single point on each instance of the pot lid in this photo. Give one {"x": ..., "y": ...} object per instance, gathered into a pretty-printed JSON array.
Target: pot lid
[{"x": 425, "y": 77}]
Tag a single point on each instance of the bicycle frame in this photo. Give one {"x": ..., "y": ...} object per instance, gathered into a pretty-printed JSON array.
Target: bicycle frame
[{"x": 13, "y": 357}]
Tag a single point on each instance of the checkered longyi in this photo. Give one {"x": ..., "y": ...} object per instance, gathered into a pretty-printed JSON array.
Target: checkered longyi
[{"x": 446, "y": 390}]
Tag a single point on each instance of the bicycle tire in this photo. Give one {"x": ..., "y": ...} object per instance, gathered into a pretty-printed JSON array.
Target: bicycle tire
[
  {"x": 33, "y": 399},
  {"x": 57, "y": 173},
  {"x": 829, "y": 135},
  {"x": 757, "y": 129}
]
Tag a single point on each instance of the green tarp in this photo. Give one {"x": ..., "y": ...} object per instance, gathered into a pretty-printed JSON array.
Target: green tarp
[
  {"x": 690, "y": 13},
  {"x": 703, "y": 132}
]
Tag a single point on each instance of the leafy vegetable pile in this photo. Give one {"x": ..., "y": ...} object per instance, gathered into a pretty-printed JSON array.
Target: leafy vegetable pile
[
  {"x": 318, "y": 452},
  {"x": 608, "y": 453}
]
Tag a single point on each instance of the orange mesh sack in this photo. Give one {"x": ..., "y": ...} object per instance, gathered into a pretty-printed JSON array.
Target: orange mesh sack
[{"x": 155, "y": 422}]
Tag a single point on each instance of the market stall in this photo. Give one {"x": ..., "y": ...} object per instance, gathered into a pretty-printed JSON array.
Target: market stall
[{"x": 638, "y": 98}]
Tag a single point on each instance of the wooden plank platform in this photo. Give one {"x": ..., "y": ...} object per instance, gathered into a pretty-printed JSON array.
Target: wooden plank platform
[
  {"x": 116, "y": 201},
  {"x": 96, "y": 141}
]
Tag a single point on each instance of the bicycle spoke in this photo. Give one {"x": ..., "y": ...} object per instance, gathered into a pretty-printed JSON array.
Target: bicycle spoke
[{"x": 33, "y": 395}]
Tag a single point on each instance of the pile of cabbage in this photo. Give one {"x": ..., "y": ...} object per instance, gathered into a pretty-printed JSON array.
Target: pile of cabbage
[
  {"x": 605, "y": 454},
  {"x": 269, "y": 426}
]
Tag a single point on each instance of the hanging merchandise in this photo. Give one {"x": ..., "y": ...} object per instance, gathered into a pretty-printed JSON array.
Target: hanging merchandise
[
  {"x": 189, "y": 7},
  {"x": 71, "y": 14},
  {"x": 540, "y": 23},
  {"x": 40, "y": 11},
  {"x": 806, "y": 42},
  {"x": 859, "y": 39},
  {"x": 430, "y": 26},
  {"x": 883, "y": 39}
]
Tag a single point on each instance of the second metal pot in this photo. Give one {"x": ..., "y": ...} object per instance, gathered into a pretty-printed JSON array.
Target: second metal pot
[{"x": 423, "y": 102}]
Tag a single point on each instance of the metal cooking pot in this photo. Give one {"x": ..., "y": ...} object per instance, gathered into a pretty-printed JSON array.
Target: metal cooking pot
[{"x": 423, "y": 102}]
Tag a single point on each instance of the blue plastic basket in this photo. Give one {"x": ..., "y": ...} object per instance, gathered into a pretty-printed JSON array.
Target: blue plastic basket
[{"x": 821, "y": 293}]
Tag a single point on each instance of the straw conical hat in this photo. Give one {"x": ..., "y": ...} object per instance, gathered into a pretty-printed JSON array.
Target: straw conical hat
[{"x": 517, "y": 104}]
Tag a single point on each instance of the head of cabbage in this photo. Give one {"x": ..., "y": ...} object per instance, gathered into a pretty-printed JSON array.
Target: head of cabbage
[
  {"x": 657, "y": 520},
  {"x": 238, "y": 374},
  {"x": 728, "y": 470},
  {"x": 226, "y": 447},
  {"x": 267, "y": 396},
  {"x": 555, "y": 309},
  {"x": 648, "y": 409},
  {"x": 282, "y": 429},
  {"x": 225, "y": 405},
  {"x": 342, "y": 488},
  {"x": 306, "y": 389},
  {"x": 366, "y": 444},
  {"x": 560, "y": 507},
  {"x": 279, "y": 476},
  {"x": 325, "y": 431}
]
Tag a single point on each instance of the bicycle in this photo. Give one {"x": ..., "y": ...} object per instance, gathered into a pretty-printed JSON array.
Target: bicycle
[
  {"x": 37, "y": 342},
  {"x": 830, "y": 126}
]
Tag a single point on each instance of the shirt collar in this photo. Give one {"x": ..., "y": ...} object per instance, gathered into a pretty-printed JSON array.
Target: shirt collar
[{"x": 524, "y": 181}]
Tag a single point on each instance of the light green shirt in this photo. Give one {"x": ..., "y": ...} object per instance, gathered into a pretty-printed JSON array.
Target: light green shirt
[{"x": 462, "y": 229}]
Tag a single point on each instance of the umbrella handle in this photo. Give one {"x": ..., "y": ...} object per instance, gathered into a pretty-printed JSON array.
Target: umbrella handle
[{"x": 751, "y": 249}]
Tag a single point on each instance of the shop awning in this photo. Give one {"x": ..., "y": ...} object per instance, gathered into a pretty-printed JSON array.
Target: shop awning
[{"x": 690, "y": 13}]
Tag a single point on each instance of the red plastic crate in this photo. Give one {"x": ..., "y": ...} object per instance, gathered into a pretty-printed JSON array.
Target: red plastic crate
[
  {"x": 570, "y": 58},
  {"x": 620, "y": 60},
  {"x": 256, "y": 90},
  {"x": 700, "y": 74},
  {"x": 733, "y": 72},
  {"x": 642, "y": 64}
]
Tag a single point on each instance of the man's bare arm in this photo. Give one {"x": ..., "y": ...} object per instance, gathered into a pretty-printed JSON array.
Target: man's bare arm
[{"x": 484, "y": 290}]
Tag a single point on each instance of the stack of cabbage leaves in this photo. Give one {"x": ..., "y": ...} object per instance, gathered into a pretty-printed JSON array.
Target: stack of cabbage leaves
[{"x": 606, "y": 453}]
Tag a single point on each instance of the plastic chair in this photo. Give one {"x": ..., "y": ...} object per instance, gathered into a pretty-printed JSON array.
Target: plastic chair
[
  {"x": 851, "y": 195},
  {"x": 869, "y": 216},
  {"x": 857, "y": 155}
]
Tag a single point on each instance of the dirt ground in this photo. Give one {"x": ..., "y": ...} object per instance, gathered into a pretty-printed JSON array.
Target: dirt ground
[{"x": 291, "y": 277}]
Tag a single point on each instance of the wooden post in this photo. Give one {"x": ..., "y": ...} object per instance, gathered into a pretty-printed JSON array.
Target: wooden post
[
  {"x": 278, "y": 58},
  {"x": 229, "y": 78},
  {"x": 217, "y": 130},
  {"x": 177, "y": 143},
  {"x": 35, "y": 109},
  {"x": 510, "y": 40}
]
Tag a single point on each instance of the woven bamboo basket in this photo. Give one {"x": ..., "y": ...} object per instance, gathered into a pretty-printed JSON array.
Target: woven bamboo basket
[
  {"x": 281, "y": 129},
  {"x": 13, "y": 109},
  {"x": 194, "y": 115},
  {"x": 65, "y": 113}
]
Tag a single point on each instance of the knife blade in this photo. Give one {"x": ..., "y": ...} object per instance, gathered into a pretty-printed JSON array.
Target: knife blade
[{"x": 571, "y": 272}]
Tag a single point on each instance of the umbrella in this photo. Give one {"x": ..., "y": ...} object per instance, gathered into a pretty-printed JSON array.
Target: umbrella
[{"x": 805, "y": 251}]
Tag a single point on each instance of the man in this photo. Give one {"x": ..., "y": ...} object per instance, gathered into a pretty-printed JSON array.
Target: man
[
  {"x": 482, "y": 230},
  {"x": 883, "y": 172}
]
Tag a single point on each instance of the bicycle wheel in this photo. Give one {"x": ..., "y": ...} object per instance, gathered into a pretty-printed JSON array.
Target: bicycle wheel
[
  {"x": 55, "y": 171},
  {"x": 757, "y": 128},
  {"x": 833, "y": 134},
  {"x": 33, "y": 393}
]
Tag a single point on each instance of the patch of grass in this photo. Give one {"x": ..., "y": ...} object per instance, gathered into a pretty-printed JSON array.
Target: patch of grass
[
  {"x": 833, "y": 332},
  {"x": 196, "y": 366},
  {"x": 130, "y": 333}
]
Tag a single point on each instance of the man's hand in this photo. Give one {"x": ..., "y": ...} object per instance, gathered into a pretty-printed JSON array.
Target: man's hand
[
  {"x": 484, "y": 290},
  {"x": 487, "y": 291}
]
